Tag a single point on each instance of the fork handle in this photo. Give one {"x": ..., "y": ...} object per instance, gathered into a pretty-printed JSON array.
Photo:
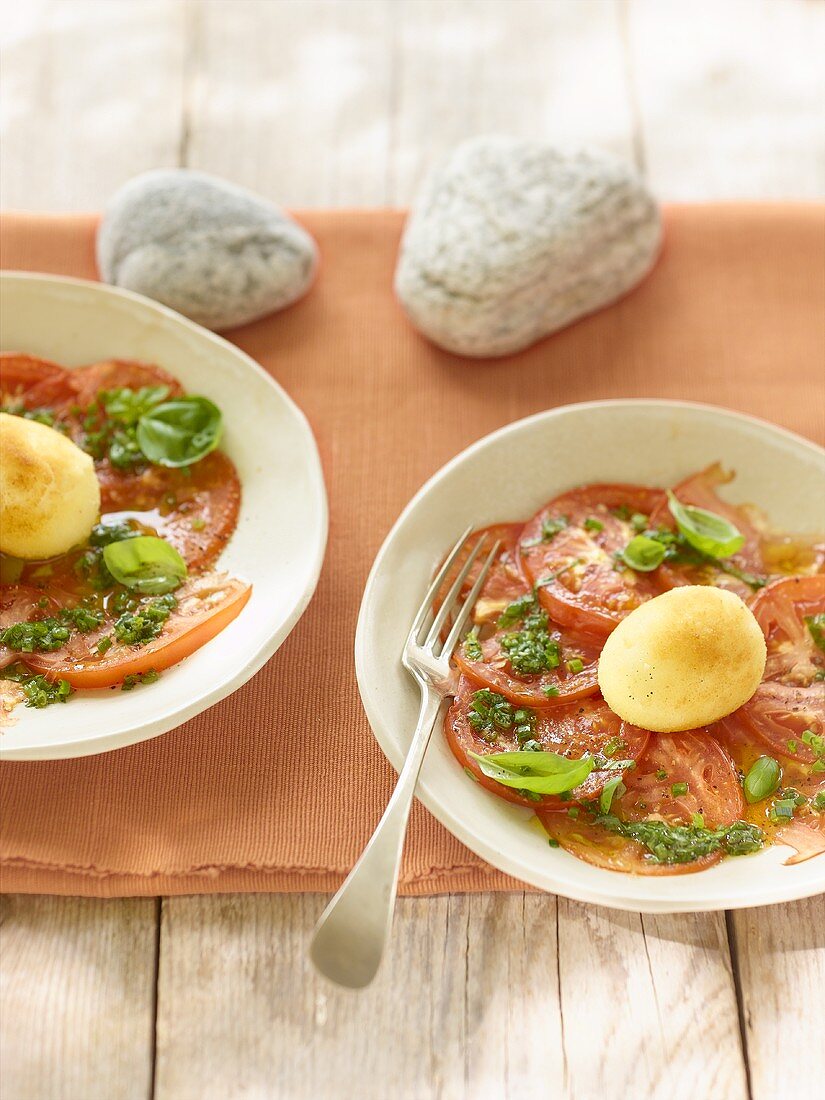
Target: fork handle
[{"x": 349, "y": 939}]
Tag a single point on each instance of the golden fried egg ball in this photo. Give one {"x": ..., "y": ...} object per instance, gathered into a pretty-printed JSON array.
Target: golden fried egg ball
[
  {"x": 49, "y": 493},
  {"x": 683, "y": 659}
]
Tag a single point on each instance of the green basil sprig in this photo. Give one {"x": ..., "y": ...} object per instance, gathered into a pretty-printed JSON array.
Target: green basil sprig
[
  {"x": 539, "y": 772},
  {"x": 147, "y": 565},
  {"x": 707, "y": 532},
  {"x": 180, "y": 432},
  {"x": 644, "y": 554}
]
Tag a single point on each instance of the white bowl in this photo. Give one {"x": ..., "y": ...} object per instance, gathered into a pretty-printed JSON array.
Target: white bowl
[
  {"x": 281, "y": 535},
  {"x": 507, "y": 476}
]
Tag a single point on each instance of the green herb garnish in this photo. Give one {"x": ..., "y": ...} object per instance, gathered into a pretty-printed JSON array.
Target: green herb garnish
[
  {"x": 180, "y": 432},
  {"x": 472, "y": 646},
  {"x": 667, "y": 843},
  {"x": 816, "y": 626},
  {"x": 540, "y": 773},
  {"x": 150, "y": 676},
  {"x": 613, "y": 788},
  {"x": 37, "y": 690},
  {"x": 146, "y": 623},
  {"x": 644, "y": 554},
  {"x": 531, "y": 650},
  {"x": 145, "y": 564},
  {"x": 762, "y": 779},
  {"x": 708, "y": 532}
]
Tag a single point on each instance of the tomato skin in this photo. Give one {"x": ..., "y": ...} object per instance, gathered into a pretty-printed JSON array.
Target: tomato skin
[
  {"x": 570, "y": 730},
  {"x": 187, "y": 629},
  {"x": 589, "y": 593}
]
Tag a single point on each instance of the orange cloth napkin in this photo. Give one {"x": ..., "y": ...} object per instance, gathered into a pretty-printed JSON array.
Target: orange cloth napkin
[{"x": 279, "y": 786}]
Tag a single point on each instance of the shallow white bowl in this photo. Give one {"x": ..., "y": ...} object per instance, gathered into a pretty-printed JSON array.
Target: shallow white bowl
[
  {"x": 281, "y": 535},
  {"x": 507, "y": 476}
]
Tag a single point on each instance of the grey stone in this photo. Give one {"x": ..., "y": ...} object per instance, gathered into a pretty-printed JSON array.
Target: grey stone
[
  {"x": 510, "y": 240},
  {"x": 206, "y": 248}
]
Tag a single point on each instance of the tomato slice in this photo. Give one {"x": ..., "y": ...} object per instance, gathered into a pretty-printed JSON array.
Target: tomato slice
[
  {"x": 693, "y": 758},
  {"x": 781, "y": 609},
  {"x": 806, "y": 835},
  {"x": 206, "y": 604},
  {"x": 780, "y": 713},
  {"x": 568, "y": 552},
  {"x": 596, "y": 846},
  {"x": 196, "y": 508},
  {"x": 495, "y": 671},
  {"x": 573, "y": 730},
  {"x": 700, "y": 491},
  {"x": 34, "y": 383},
  {"x": 110, "y": 374}
]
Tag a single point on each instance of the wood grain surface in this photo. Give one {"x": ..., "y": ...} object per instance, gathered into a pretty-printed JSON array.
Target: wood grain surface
[{"x": 347, "y": 103}]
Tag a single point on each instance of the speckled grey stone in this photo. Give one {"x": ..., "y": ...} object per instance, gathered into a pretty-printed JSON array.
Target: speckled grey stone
[
  {"x": 510, "y": 240},
  {"x": 208, "y": 249}
]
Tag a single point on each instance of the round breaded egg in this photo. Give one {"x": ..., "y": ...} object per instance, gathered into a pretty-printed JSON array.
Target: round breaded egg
[
  {"x": 683, "y": 659},
  {"x": 49, "y": 492}
]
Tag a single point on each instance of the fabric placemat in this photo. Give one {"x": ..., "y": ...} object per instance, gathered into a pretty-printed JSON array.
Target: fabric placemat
[{"x": 279, "y": 786}]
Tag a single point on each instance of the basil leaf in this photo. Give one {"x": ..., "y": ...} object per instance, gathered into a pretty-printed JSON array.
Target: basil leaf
[
  {"x": 644, "y": 554},
  {"x": 613, "y": 788},
  {"x": 147, "y": 565},
  {"x": 180, "y": 432},
  {"x": 762, "y": 779},
  {"x": 539, "y": 772},
  {"x": 705, "y": 531}
]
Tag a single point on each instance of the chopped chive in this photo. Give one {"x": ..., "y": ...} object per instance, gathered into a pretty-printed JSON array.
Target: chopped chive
[
  {"x": 575, "y": 664},
  {"x": 679, "y": 789}
]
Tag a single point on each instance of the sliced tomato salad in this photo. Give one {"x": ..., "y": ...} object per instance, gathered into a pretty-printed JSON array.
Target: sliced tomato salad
[
  {"x": 194, "y": 508},
  {"x": 527, "y": 680}
]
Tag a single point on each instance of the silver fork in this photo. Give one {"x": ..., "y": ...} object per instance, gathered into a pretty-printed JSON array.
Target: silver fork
[{"x": 349, "y": 939}]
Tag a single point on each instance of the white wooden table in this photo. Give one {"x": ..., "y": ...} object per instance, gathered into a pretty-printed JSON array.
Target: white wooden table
[{"x": 346, "y": 102}]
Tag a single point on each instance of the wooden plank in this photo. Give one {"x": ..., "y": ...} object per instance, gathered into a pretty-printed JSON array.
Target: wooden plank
[
  {"x": 648, "y": 1004},
  {"x": 465, "y": 1006},
  {"x": 91, "y": 95},
  {"x": 730, "y": 97},
  {"x": 77, "y": 977},
  {"x": 292, "y": 99},
  {"x": 469, "y": 67},
  {"x": 780, "y": 957}
]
